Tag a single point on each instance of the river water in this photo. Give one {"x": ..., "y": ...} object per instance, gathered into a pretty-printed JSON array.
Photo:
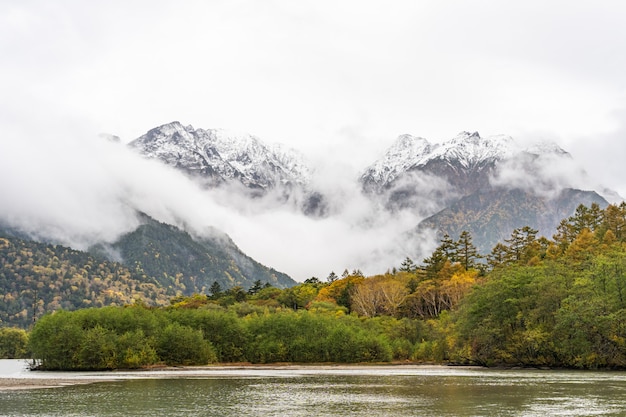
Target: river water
[{"x": 370, "y": 391}]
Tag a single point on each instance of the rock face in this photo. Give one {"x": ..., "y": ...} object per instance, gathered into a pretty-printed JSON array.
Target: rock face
[
  {"x": 217, "y": 156},
  {"x": 487, "y": 186},
  {"x": 491, "y": 214}
]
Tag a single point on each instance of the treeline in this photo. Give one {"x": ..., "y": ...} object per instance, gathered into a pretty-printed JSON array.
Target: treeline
[
  {"x": 559, "y": 302},
  {"x": 532, "y": 301},
  {"x": 137, "y": 336}
]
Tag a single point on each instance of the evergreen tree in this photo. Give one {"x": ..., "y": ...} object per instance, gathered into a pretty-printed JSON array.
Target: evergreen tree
[
  {"x": 434, "y": 263},
  {"x": 466, "y": 252},
  {"x": 520, "y": 244},
  {"x": 408, "y": 265},
  {"x": 449, "y": 248},
  {"x": 498, "y": 256},
  {"x": 256, "y": 287},
  {"x": 215, "y": 290}
]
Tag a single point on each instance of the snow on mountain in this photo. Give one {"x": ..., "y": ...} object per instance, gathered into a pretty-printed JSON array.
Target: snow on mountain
[
  {"x": 407, "y": 151},
  {"x": 219, "y": 156},
  {"x": 467, "y": 151},
  {"x": 471, "y": 150}
]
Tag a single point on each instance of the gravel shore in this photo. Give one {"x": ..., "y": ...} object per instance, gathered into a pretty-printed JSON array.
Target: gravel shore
[
  {"x": 7, "y": 384},
  {"x": 41, "y": 379}
]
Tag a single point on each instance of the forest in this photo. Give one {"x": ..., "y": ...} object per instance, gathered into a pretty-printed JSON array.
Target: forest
[{"x": 532, "y": 301}]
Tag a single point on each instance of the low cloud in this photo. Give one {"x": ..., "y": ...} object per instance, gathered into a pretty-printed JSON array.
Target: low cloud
[
  {"x": 82, "y": 192},
  {"x": 545, "y": 174}
]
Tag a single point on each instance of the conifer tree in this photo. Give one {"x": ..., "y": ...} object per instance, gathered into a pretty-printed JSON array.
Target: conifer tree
[
  {"x": 408, "y": 265},
  {"x": 520, "y": 243},
  {"x": 466, "y": 252},
  {"x": 215, "y": 290}
]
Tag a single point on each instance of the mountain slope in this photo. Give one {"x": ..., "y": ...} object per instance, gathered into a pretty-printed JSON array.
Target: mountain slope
[
  {"x": 38, "y": 278},
  {"x": 491, "y": 215},
  {"x": 178, "y": 260},
  {"x": 463, "y": 161},
  {"x": 217, "y": 156},
  {"x": 487, "y": 186}
]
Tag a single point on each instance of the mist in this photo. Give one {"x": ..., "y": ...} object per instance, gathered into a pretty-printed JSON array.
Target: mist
[
  {"x": 548, "y": 173},
  {"x": 78, "y": 192}
]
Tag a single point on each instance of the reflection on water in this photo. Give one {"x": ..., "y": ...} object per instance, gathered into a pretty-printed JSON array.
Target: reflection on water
[{"x": 369, "y": 391}]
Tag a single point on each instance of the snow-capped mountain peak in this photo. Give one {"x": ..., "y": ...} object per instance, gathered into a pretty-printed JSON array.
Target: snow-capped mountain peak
[
  {"x": 470, "y": 149},
  {"x": 546, "y": 148},
  {"x": 409, "y": 152},
  {"x": 220, "y": 156}
]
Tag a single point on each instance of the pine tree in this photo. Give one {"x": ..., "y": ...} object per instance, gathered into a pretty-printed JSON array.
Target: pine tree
[
  {"x": 449, "y": 248},
  {"x": 256, "y": 287},
  {"x": 520, "y": 244},
  {"x": 408, "y": 265},
  {"x": 466, "y": 252},
  {"x": 215, "y": 290},
  {"x": 498, "y": 256}
]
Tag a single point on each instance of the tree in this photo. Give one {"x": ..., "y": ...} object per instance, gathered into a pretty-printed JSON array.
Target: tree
[
  {"x": 256, "y": 287},
  {"x": 182, "y": 345},
  {"x": 332, "y": 277},
  {"x": 614, "y": 220},
  {"x": 215, "y": 290},
  {"x": 449, "y": 247},
  {"x": 379, "y": 295},
  {"x": 312, "y": 280},
  {"x": 466, "y": 252},
  {"x": 521, "y": 244},
  {"x": 13, "y": 343},
  {"x": 299, "y": 296},
  {"x": 408, "y": 265},
  {"x": 498, "y": 256},
  {"x": 580, "y": 252},
  {"x": 237, "y": 293},
  {"x": 433, "y": 264}
]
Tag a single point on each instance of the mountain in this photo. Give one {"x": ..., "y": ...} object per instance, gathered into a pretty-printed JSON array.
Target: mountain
[
  {"x": 218, "y": 156},
  {"x": 490, "y": 215},
  {"x": 487, "y": 186},
  {"x": 177, "y": 260},
  {"x": 37, "y": 278},
  {"x": 413, "y": 169},
  {"x": 462, "y": 160}
]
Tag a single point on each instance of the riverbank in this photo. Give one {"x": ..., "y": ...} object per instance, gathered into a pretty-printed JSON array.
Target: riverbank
[
  {"x": 14, "y": 375},
  {"x": 10, "y": 384}
]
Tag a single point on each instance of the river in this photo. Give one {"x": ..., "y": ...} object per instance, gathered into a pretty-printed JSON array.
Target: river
[{"x": 370, "y": 391}]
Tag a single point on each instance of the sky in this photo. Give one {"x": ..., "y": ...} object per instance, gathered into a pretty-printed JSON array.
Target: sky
[{"x": 337, "y": 80}]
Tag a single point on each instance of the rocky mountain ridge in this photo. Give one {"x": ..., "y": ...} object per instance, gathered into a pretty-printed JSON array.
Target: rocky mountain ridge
[
  {"x": 437, "y": 182},
  {"x": 217, "y": 156}
]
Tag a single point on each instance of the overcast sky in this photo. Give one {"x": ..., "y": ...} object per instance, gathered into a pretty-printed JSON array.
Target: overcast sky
[{"x": 335, "y": 78}]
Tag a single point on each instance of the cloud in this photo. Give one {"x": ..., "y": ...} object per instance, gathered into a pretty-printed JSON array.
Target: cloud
[
  {"x": 544, "y": 174},
  {"x": 603, "y": 154},
  {"x": 339, "y": 80},
  {"x": 81, "y": 192}
]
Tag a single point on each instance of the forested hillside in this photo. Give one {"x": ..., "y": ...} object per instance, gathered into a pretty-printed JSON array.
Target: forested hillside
[
  {"x": 189, "y": 264},
  {"x": 37, "y": 278},
  {"x": 532, "y": 301}
]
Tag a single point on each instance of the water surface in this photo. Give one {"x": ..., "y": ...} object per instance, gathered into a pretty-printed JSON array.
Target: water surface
[{"x": 327, "y": 391}]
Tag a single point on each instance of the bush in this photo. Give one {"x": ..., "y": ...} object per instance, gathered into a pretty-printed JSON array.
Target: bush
[
  {"x": 182, "y": 345},
  {"x": 13, "y": 343}
]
